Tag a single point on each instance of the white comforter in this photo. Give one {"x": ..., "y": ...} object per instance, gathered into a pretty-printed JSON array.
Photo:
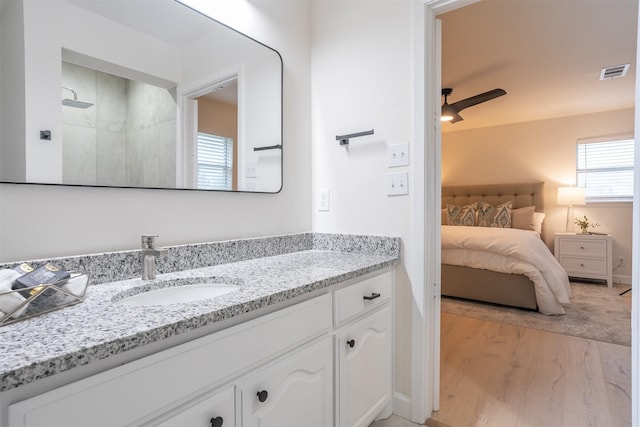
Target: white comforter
[{"x": 510, "y": 250}]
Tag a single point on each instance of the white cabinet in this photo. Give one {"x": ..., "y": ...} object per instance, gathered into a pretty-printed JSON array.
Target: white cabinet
[
  {"x": 319, "y": 363},
  {"x": 158, "y": 387},
  {"x": 587, "y": 256},
  {"x": 364, "y": 369},
  {"x": 297, "y": 391}
]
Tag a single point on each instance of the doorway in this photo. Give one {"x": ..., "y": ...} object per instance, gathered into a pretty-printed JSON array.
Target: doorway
[{"x": 432, "y": 149}]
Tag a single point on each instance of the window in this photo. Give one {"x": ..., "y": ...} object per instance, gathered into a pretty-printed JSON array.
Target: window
[
  {"x": 214, "y": 162},
  {"x": 605, "y": 169}
]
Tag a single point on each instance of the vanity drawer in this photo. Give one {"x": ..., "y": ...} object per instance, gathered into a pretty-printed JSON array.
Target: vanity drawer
[
  {"x": 361, "y": 297},
  {"x": 218, "y": 406},
  {"x": 596, "y": 248},
  {"x": 576, "y": 266}
]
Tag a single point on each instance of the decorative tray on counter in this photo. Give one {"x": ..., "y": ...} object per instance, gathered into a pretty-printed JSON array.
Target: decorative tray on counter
[{"x": 24, "y": 303}]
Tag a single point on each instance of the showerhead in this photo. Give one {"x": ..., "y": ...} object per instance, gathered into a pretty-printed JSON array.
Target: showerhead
[{"x": 74, "y": 102}]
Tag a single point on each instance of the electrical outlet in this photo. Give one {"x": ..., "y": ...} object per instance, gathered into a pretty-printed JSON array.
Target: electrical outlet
[
  {"x": 251, "y": 170},
  {"x": 398, "y": 155},
  {"x": 620, "y": 261},
  {"x": 397, "y": 183}
]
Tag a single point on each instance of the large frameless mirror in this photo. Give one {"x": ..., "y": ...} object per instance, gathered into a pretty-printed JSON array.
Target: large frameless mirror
[{"x": 136, "y": 93}]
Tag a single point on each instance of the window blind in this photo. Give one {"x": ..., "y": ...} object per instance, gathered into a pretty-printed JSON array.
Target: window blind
[
  {"x": 214, "y": 162},
  {"x": 605, "y": 170}
]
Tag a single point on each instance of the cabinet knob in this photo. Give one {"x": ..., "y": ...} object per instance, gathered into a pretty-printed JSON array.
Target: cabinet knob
[
  {"x": 262, "y": 396},
  {"x": 216, "y": 422},
  {"x": 351, "y": 343},
  {"x": 373, "y": 296}
]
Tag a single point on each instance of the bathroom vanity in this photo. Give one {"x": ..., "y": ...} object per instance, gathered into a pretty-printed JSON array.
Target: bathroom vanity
[{"x": 305, "y": 340}]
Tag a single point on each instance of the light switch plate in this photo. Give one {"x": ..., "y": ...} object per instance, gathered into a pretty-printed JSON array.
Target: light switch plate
[
  {"x": 397, "y": 183},
  {"x": 398, "y": 155},
  {"x": 324, "y": 200}
]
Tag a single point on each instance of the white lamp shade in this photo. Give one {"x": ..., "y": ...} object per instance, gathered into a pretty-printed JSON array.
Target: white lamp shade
[{"x": 571, "y": 196}]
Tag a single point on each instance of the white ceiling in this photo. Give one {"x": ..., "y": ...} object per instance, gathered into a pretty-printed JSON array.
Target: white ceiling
[{"x": 547, "y": 55}]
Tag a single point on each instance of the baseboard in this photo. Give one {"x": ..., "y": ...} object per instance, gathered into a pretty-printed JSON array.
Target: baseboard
[
  {"x": 623, "y": 280},
  {"x": 402, "y": 405},
  {"x": 434, "y": 423}
]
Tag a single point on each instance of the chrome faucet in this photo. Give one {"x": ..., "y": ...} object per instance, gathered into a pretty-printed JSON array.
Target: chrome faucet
[{"x": 149, "y": 255}]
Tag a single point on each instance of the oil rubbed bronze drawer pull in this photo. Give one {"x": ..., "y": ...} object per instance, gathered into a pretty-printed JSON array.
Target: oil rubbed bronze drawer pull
[
  {"x": 262, "y": 396},
  {"x": 373, "y": 296}
]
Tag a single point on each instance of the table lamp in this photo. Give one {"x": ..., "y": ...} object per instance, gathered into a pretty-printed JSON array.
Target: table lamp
[{"x": 570, "y": 196}]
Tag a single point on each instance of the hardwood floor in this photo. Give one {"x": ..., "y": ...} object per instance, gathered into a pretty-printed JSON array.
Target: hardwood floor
[{"x": 499, "y": 375}]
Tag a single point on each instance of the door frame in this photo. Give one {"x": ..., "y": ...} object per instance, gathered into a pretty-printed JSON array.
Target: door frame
[
  {"x": 424, "y": 262},
  {"x": 187, "y": 126}
]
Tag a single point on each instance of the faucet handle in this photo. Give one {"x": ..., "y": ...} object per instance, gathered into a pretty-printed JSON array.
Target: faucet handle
[{"x": 149, "y": 241}]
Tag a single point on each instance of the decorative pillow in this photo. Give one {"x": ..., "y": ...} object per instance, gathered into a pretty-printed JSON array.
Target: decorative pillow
[
  {"x": 494, "y": 216},
  {"x": 444, "y": 217},
  {"x": 538, "y": 218},
  {"x": 465, "y": 215},
  {"x": 523, "y": 218}
]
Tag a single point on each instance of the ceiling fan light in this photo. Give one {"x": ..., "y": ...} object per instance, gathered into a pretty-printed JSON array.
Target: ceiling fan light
[{"x": 448, "y": 113}]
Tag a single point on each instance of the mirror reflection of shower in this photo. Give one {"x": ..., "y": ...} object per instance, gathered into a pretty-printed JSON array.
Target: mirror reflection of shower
[
  {"x": 74, "y": 102},
  {"x": 127, "y": 138}
]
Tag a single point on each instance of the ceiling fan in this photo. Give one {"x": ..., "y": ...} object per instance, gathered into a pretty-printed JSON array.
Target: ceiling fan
[{"x": 450, "y": 112}]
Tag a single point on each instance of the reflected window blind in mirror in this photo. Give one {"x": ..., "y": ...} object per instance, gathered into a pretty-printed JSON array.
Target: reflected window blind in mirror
[{"x": 215, "y": 162}]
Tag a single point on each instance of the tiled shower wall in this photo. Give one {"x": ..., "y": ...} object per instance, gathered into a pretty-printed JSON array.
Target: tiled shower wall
[{"x": 127, "y": 138}]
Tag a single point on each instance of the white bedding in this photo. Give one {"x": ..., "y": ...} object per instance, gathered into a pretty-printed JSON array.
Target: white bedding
[{"x": 510, "y": 250}]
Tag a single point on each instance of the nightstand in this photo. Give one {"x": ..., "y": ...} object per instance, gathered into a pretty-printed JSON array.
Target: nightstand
[{"x": 586, "y": 256}]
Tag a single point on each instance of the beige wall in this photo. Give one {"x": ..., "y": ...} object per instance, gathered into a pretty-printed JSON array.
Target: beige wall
[
  {"x": 542, "y": 151},
  {"x": 217, "y": 118}
]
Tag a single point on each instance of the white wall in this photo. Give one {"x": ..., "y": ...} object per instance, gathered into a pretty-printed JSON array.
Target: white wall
[
  {"x": 12, "y": 81},
  {"x": 362, "y": 79},
  {"x": 47, "y": 221},
  {"x": 543, "y": 150}
]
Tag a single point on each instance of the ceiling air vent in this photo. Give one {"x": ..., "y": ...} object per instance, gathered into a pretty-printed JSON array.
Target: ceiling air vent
[{"x": 613, "y": 72}]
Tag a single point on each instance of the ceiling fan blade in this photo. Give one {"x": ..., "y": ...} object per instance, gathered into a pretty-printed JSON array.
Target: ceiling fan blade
[{"x": 478, "y": 99}]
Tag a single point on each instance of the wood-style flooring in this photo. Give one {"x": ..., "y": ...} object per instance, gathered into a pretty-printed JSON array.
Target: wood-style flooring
[{"x": 499, "y": 375}]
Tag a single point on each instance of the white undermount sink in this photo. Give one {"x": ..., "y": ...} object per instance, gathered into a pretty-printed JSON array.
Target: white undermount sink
[{"x": 178, "y": 294}]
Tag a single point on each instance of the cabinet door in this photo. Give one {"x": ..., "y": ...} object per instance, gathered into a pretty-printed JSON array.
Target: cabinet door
[
  {"x": 364, "y": 364},
  {"x": 215, "y": 409},
  {"x": 296, "y": 391}
]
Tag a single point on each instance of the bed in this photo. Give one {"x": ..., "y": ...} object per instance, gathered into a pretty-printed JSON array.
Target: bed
[{"x": 509, "y": 266}]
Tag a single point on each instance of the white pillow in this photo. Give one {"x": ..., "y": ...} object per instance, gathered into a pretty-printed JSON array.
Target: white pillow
[{"x": 538, "y": 217}]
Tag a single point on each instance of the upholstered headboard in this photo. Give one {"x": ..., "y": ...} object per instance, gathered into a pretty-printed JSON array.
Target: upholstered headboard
[{"x": 520, "y": 194}]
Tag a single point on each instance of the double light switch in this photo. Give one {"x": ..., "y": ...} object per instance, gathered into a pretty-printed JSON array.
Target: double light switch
[{"x": 397, "y": 182}]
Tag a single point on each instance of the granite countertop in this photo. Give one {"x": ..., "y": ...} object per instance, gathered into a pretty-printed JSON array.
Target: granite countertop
[{"x": 99, "y": 328}]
